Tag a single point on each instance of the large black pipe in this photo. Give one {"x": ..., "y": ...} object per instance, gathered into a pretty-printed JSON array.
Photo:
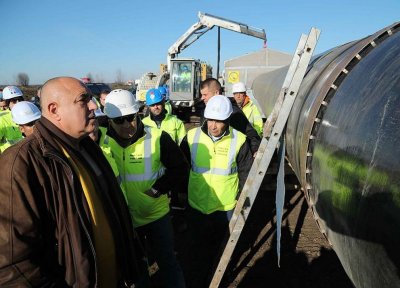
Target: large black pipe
[{"x": 343, "y": 142}]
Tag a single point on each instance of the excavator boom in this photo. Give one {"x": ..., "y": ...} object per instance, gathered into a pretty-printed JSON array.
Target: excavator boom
[{"x": 207, "y": 22}]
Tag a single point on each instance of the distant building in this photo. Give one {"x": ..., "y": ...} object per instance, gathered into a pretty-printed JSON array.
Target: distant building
[{"x": 247, "y": 67}]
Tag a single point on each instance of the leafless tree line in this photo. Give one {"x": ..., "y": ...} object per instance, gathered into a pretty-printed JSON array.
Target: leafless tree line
[{"x": 22, "y": 79}]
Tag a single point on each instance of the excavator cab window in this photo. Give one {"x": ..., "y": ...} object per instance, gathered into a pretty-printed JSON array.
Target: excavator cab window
[{"x": 182, "y": 77}]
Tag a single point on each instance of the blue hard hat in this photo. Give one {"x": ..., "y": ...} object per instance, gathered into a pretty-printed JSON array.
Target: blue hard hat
[{"x": 153, "y": 96}]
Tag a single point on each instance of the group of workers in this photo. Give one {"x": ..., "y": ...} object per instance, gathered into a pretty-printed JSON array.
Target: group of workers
[
  {"x": 17, "y": 116},
  {"x": 86, "y": 205}
]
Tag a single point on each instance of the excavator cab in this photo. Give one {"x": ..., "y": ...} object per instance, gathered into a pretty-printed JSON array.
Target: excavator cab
[{"x": 185, "y": 78}]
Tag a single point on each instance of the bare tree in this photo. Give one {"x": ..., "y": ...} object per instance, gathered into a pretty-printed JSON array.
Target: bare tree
[
  {"x": 22, "y": 79},
  {"x": 119, "y": 77}
]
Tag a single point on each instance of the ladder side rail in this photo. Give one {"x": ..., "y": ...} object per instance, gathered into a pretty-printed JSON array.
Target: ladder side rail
[
  {"x": 269, "y": 123},
  {"x": 251, "y": 184},
  {"x": 264, "y": 154},
  {"x": 237, "y": 222},
  {"x": 269, "y": 145}
]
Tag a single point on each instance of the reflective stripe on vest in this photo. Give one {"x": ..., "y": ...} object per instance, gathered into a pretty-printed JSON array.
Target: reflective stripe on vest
[
  {"x": 148, "y": 175},
  {"x": 138, "y": 172},
  {"x": 216, "y": 171},
  {"x": 213, "y": 179},
  {"x": 249, "y": 115},
  {"x": 171, "y": 124}
]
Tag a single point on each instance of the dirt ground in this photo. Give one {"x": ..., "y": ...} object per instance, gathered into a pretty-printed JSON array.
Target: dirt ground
[{"x": 307, "y": 260}]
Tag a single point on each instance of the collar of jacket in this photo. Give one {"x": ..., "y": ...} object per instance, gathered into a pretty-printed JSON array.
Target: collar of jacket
[
  {"x": 49, "y": 130},
  {"x": 246, "y": 101}
]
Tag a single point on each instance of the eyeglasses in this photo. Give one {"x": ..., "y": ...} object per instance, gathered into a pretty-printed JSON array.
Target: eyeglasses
[
  {"x": 120, "y": 120},
  {"x": 30, "y": 124}
]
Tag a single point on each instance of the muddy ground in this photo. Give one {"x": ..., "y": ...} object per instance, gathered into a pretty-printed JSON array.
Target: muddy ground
[{"x": 307, "y": 260}]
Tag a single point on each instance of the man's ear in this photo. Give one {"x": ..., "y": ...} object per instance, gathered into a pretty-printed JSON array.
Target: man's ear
[{"x": 53, "y": 111}]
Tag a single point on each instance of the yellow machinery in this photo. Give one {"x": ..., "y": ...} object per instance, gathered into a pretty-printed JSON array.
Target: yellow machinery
[{"x": 183, "y": 75}]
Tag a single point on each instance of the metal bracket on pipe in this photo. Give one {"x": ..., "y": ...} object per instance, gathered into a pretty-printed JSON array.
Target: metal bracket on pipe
[{"x": 273, "y": 130}]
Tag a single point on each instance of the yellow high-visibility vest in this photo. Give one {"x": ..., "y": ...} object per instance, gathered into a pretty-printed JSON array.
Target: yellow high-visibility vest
[
  {"x": 107, "y": 151},
  {"x": 9, "y": 131},
  {"x": 213, "y": 180},
  {"x": 171, "y": 124},
  {"x": 140, "y": 166},
  {"x": 254, "y": 116},
  {"x": 168, "y": 107}
]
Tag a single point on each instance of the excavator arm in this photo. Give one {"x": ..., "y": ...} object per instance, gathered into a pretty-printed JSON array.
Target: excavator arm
[{"x": 207, "y": 22}]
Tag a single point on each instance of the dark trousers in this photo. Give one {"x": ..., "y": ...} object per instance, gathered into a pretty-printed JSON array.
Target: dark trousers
[
  {"x": 206, "y": 237},
  {"x": 159, "y": 236}
]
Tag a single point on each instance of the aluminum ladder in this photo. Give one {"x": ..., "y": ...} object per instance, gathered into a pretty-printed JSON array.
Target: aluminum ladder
[{"x": 273, "y": 129}]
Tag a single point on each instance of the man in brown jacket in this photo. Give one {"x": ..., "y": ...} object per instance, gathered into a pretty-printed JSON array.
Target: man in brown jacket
[{"x": 63, "y": 219}]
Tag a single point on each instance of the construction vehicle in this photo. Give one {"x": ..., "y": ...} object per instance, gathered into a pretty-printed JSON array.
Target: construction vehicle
[{"x": 183, "y": 75}]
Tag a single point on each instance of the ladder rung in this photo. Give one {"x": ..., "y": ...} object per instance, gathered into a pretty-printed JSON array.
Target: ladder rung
[{"x": 283, "y": 106}]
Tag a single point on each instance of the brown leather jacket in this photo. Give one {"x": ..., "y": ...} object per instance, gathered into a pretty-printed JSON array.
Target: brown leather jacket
[{"x": 45, "y": 229}]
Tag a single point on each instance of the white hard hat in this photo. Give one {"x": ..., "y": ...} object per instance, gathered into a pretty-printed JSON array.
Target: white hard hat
[
  {"x": 238, "y": 87},
  {"x": 119, "y": 103},
  {"x": 25, "y": 112},
  {"x": 11, "y": 92},
  {"x": 219, "y": 107}
]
